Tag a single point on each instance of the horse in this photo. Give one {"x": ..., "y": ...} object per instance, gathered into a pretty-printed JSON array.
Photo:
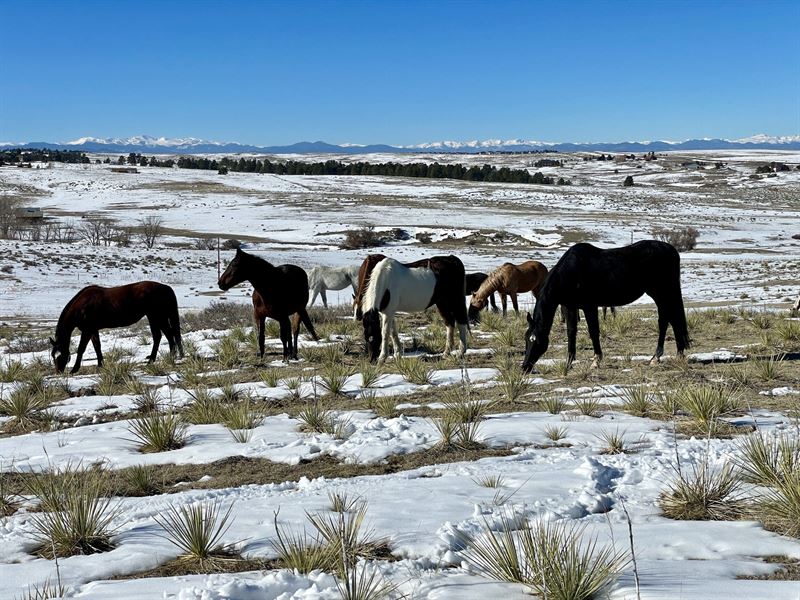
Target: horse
[
  {"x": 95, "y": 308},
  {"x": 394, "y": 286},
  {"x": 364, "y": 271},
  {"x": 587, "y": 277},
  {"x": 796, "y": 307},
  {"x": 474, "y": 281},
  {"x": 321, "y": 279},
  {"x": 508, "y": 280},
  {"x": 279, "y": 293}
]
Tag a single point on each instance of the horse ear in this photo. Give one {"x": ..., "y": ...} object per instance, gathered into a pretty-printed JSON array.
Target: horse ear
[{"x": 530, "y": 318}]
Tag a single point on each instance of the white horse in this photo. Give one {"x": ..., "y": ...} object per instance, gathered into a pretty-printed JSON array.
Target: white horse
[
  {"x": 395, "y": 287},
  {"x": 321, "y": 279},
  {"x": 796, "y": 307}
]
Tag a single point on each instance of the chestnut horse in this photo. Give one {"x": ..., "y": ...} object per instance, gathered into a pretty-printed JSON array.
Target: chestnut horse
[
  {"x": 508, "y": 280},
  {"x": 395, "y": 287},
  {"x": 587, "y": 277},
  {"x": 95, "y": 308},
  {"x": 279, "y": 293}
]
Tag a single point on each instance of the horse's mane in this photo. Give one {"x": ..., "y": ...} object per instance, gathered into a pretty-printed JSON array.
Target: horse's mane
[
  {"x": 258, "y": 260},
  {"x": 492, "y": 283},
  {"x": 378, "y": 282},
  {"x": 61, "y": 325}
]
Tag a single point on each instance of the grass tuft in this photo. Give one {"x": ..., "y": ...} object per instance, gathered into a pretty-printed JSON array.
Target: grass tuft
[
  {"x": 197, "y": 530},
  {"x": 159, "y": 432}
]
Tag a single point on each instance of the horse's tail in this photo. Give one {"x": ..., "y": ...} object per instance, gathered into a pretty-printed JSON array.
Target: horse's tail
[
  {"x": 174, "y": 322},
  {"x": 306, "y": 320}
]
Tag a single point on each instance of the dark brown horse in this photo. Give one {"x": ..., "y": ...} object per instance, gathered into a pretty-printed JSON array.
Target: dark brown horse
[
  {"x": 474, "y": 282},
  {"x": 95, "y": 308},
  {"x": 413, "y": 287},
  {"x": 587, "y": 277},
  {"x": 279, "y": 293}
]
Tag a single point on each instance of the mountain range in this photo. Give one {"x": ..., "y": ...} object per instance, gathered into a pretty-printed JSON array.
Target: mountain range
[{"x": 145, "y": 144}]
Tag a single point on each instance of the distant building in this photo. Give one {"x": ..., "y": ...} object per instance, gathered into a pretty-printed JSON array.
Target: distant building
[
  {"x": 124, "y": 170},
  {"x": 29, "y": 212}
]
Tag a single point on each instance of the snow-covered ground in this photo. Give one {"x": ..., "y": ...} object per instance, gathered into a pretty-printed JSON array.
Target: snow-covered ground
[{"x": 746, "y": 255}]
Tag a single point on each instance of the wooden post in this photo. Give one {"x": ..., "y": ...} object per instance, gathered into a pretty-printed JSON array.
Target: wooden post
[{"x": 218, "y": 260}]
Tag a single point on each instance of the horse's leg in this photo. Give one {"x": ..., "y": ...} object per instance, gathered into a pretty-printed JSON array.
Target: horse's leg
[
  {"x": 260, "y": 325},
  {"x": 451, "y": 335},
  {"x": 385, "y": 333},
  {"x": 97, "y": 351},
  {"x": 155, "y": 330},
  {"x": 314, "y": 292},
  {"x": 503, "y": 302},
  {"x": 605, "y": 310},
  {"x": 572, "y": 334},
  {"x": 324, "y": 297},
  {"x": 593, "y": 324},
  {"x": 286, "y": 337},
  {"x": 492, "y": 302},
  {"x": 663, "y": 322},
  {"x": 462, "y": 339},
  {"x": 85, "y": 337},
  {"x": 514, "y": 303},
  {"x": 398, "y": 345},
  {"x": 295, "y": 333}
]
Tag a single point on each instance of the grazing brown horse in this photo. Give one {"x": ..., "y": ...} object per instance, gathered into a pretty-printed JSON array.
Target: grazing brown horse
[
  {"x": 414, "y": 287},
  {"x": 508, "y": 280},
  {"x": 95, "y": 308},
  {"x": 279, "y": 293}
]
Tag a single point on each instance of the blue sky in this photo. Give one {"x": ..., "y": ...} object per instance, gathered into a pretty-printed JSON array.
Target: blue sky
[{"x": 399, "y": 72}]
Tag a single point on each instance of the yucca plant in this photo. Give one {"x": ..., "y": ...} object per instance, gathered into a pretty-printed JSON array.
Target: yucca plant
[
  {"x": 489, "y": 480},
  {"x": 343, "y": 531},
  {"x": 270, "y": 377},
  {"x": 9, "y": 502},
  {"x": 141, "y": 480},
  {"x": 241, "y": 418},
  {"x": 384, "y": 406},
  {"x": 705, "y": 404},
  {"x": 197, "y": 531},
  {"x": 334, "y": 377},
  {"x": 551, "y": 558},
  {"x": 229, "y": 394},
  {"x": 561, "y": 368},
  {"x": 26, "y": 409},
  {"x": 148, "y": 401},
  {"x": 767, "y": 461},
  {"x": 75, "y": 517},
  {"x": 458, "y": 401},
  {"x": 761, "y": 320},
  {"x": 455, "y": 434},
  {"x": 588, "y": 406},
  {"x": 512, "y": 381},
  {"x": 44, "y": 591},
  {"x": 740, "y": 373},
  {"x": 228, "y": 353},
  {"x": 342, "y": 502},
  {"x": 703, "y": 494},
  {"x": 314, "y": 418},
  {"x": 555, "y": 433},
  {"x": 768, "y": 369},
  {"x": 371, "y": 373},
  {"x": 613, "y": 441},
  {"x": 637, "y": 401},
  {"x": 302, "y": 552},
  {"x": 780, "y": 509},
  {"x": 361, "y": 580},
  {"x": 788, "y": 331},
  {"x": 415, "y": 371},
  {"x": 114, "y": 374},
  {"x": 554, "y": 404},
  {"x": 204, "y": 409},
  {"x": 11, "y": 370},
  {"x": 159, "y": 432}
]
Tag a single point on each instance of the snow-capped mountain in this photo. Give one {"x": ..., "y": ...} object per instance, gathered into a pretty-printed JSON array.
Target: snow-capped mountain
[{"x": 146, "y": 144}]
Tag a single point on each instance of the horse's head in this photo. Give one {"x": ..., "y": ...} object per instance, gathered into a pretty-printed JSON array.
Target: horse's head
[
  {"x": 476, "y": 305},
  {"x": 59, "y": 355},
  {"x": 536, "y": 342},
  {"x": 234, "y": 273},
  {"x": 372, "y": 333},
  {"x": 357, "y": 314}
]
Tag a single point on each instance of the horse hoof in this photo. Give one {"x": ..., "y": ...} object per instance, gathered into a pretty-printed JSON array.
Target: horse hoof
[{"x": 655, "y": 361}]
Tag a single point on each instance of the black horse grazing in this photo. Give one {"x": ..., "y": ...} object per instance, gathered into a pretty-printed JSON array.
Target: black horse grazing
[
  {"x": 279, "y": 292},
  {"x": 587, "y": 277},
  {"x": 474, "y": 282},
  {"x": 95, "y": 308}
]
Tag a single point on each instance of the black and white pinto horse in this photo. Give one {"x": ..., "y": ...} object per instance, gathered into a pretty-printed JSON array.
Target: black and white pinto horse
[
  {"x": 587, "y": 277},
  {"x": 396, "y": 287},
  {"x": 321, "y": 279}
]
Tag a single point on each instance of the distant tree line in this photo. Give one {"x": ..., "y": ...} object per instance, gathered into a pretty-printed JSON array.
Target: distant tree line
[
  {"x": 20, "y": 155},
  {"x": 334, "y": 167}
]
